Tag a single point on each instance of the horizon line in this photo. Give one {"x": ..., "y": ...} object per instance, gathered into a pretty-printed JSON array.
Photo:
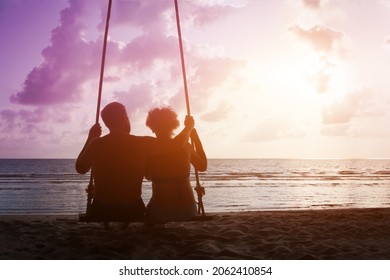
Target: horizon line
[{"x": 219, "y": 158}]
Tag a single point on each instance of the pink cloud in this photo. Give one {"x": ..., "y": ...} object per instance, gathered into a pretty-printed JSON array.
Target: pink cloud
[
  {"x": 30, "y": 116},
  {"x": 147, "y": 15},
  {"x": 340, "y": 129},
  {"x": 202, "y": 15},
  {"x": 323, "y": 80},
  {"x": 68, "y": 62},
  {"x": 321, "y": 38},
  {"x": 220, "y": 113},
  {"x": 360, "y": 103},
  {"x": 204, "y": 75},
  {"x": 23, "y": 121},
  {"x": 323, "y": 77},
  {"x": 273, "y": 129},
  {"x": 150, "y": 14},
  {"x": 154, "y": 43},
  {"x": 34, "y": 132},
  {"x": 207, "y": 74},
  {"x": 137, "y": 97},
  {"x": 145, "y": 49},
  {"x": 338, "y": 113},
  {"x": 314, "y": 4},
  {"x": 8, "y": 115}
]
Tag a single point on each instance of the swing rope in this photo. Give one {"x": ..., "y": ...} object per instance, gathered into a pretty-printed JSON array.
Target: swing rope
[
  {"x": 90, "y": 187},
  {"x": 200, "y": 191}
]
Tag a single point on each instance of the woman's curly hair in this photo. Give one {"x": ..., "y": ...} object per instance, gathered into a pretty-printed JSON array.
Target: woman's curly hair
[{"x": 162, "y": 119}]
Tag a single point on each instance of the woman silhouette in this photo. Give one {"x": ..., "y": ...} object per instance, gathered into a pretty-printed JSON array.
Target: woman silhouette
[{"x": 172, "y": 198}]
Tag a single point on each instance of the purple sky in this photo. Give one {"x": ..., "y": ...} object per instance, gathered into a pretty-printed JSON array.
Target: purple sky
[{"x": 291, "y": 79}]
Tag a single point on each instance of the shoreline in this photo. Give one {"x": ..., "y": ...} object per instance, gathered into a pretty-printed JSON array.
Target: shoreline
[{"x": 360, "y": 233}]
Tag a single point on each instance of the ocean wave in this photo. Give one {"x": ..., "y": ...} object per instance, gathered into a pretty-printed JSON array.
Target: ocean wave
[
  {"x": 7, "y": 189},
  {"x": 382, "y": 172},
  {"x": 48, "y": 186},
  {"x": 349, "y": 172},
  {"x": 335, "y": 177}
]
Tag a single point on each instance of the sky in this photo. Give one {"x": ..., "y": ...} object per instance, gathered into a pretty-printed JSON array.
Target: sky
[{"x": 266, "y": 78}]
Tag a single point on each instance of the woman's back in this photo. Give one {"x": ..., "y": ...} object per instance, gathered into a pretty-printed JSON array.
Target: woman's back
[
  {"x": 170, "y": 176},
  {"x": 173, "y": 197}
]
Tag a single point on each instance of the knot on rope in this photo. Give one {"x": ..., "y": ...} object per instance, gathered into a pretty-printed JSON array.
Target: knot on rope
[{"x": 201, "y": 191}]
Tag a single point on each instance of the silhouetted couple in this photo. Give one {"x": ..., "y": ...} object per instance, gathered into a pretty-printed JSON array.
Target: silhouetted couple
[{"x": 119, "y": 162}]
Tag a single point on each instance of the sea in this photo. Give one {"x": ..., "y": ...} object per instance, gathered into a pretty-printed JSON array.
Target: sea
[{"x": 52, "y": 186}]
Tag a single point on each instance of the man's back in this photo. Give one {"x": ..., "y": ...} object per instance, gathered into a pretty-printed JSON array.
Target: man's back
[{"x": 118, "y": 166}]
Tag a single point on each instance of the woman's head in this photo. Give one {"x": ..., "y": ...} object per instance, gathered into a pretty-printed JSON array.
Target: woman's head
[{"x": 162, "y": 121}]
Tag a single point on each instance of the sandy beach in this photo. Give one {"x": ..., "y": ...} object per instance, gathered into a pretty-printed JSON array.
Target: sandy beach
[{"x": 316, "y": 234}]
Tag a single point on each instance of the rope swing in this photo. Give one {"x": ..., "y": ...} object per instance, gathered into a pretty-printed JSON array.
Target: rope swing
[
  {"x": 90, "y": 187},
  {"x": 103, "y": 61},
  {"x": 200, "y": 191}
]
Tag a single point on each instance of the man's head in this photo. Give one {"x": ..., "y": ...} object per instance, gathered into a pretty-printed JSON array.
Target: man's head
[{"x": 115, "y": 117}]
